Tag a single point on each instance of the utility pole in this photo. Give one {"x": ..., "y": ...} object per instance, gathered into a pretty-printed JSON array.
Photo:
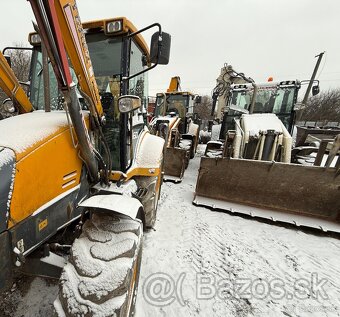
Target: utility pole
[
  {"x": 312, "y": 78},
  {"x": 305, "y": 98}
]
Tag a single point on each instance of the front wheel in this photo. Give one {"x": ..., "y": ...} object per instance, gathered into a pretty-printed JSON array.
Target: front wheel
[{"x": 101, "y": 277}]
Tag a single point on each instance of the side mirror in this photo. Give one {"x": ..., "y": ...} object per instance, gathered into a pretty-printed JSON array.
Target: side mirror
[
  {"x": 315, "y": 90},
  {"x": 197, "y": 99},
  {"x": 160, "y": 48},
  {"x": 128, "y": 103}
]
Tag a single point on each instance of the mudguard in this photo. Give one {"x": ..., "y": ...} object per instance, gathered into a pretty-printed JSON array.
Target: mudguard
[
  {"x": 120, "y": 204},
  {"x": 149, "y": 151}
]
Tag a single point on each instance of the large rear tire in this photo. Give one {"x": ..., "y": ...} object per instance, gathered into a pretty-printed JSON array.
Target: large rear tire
[{"x": 101, "y": 277}]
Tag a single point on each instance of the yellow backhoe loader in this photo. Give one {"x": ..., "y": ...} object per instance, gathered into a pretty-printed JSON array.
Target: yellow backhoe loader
[
  {"x": 173, "y": 122},
  {"x": 252, "y": 172},
  {"x": 87, "y": 165}
]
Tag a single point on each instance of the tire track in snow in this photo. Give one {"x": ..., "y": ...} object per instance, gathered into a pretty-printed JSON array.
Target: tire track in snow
[{"x": 196, "y": 240}]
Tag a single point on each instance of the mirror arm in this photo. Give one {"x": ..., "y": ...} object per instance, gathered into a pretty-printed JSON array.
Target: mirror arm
[
  {"x": 306, "y": 81},
  {"x": 146, "y": 28},
  {"x": 141, "y": 72},
  {"x": 159, "y": 48}
]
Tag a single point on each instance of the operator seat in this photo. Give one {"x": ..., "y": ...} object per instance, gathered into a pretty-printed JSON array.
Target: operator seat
[{"x": 258, "y": 108}]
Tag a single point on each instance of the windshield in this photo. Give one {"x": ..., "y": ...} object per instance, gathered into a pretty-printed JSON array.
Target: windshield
[
  {"x": 241, "y": 100},
  {"x": 275, "y": 99},
  {"x": 105, "y": 53},
  {"x": 37, "y": 85},
  {"x": 174, "y": 103}
]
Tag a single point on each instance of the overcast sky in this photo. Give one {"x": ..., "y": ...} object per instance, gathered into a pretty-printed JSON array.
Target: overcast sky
[{"x": 260, "y": 38}]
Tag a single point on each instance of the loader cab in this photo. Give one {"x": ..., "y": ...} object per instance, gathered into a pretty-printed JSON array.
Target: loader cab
[
  {"x": 278, "y": 98},
  {"x": 179, "y": 104},
  {"x": 120, "y": 60},
  {"x": 113, "y": 57}
]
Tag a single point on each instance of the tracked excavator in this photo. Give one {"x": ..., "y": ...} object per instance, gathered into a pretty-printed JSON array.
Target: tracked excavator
[
  {"x": 252, "y": 173},
  {"x": 173, "y": 121},
  {"x": 86, "y": 167}
]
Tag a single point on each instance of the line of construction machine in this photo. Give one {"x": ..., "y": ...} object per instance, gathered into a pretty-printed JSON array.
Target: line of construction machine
[
  {"x": 80, "y": 164},
  {"x": 255, "y": 166}
]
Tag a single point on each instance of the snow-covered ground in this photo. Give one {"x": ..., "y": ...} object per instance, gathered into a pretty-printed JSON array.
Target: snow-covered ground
[{"x": 203, "y": 263}]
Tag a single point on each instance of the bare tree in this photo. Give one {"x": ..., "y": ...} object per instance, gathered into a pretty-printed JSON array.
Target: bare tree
[
  {"x": 324, "y": 107},
  {"x": 203, "y": 109},
  {"x": 20, "y": 63}
]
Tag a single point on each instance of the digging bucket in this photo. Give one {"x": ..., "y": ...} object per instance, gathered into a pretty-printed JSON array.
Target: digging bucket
[
  {"x": 174, "y": 164},
  {"x": 301, "y": 195}
]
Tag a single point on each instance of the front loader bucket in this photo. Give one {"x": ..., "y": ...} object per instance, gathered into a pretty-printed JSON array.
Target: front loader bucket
[
  {"x": 291, "y": 193},
  {"x": 174, "y": 164}
]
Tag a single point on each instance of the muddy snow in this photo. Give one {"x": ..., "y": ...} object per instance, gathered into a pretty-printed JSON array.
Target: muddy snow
[{"x": 197, "y": 262}]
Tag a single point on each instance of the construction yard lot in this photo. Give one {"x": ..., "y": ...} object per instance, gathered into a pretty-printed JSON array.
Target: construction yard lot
[{"x": 197, "y": 262}]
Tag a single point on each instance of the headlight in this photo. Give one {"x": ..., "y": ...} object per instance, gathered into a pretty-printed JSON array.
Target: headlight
[
  {"x": 128, "y": 103},
  {"x": 114, "y": 26},
  {"x": 34, "y": 39}
]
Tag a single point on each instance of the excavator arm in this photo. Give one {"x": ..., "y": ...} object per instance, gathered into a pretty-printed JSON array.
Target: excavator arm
[
  {"x": 74, "y": 39},
  {"x": 175, "y": 84},
  {"x": 62, "y": 34},
  {"x": 227, "y": 77},
  {"x": 11, "y": 86}
]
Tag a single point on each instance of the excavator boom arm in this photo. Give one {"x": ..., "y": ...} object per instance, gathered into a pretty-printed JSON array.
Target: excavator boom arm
[
  {"x": 75, "y": 44},
  {"x": 11, "y": 86},
  {"x": 61, "y": 32}
]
